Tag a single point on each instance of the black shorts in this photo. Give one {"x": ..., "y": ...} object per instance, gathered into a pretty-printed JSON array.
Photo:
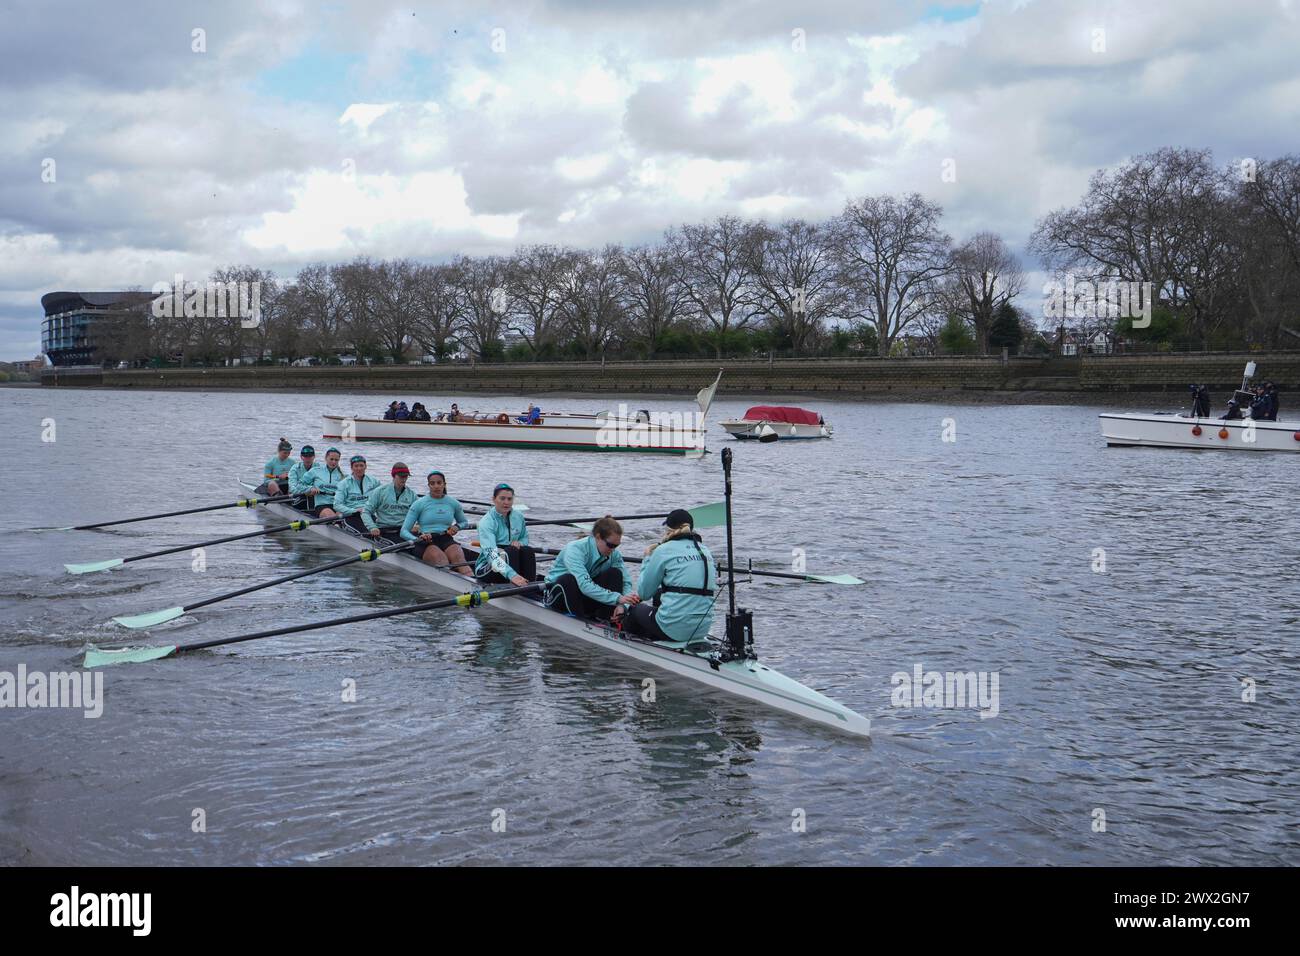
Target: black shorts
[{"x": 441, "y": 541}]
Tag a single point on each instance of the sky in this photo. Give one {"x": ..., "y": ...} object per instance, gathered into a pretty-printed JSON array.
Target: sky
[{"x": 154, "y": 138}]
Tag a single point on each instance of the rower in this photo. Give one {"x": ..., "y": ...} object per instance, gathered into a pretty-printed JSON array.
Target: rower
[
  {"x": 275, "y": 476},
  {"x": 352, "y": 494},
  {"x": 433, "y": 521},
  {"x": 589, "y": 578},
  {"x": 385, "y": 510},
  {"x": 299, "y": 481},
  {"x": 677, "y": 585},
  {"x": 327, "y": 480},
  {"x": 504, "y": 552}
]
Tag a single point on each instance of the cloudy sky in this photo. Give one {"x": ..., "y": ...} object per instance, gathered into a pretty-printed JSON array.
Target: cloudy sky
[{"x": 284, "y": 133}]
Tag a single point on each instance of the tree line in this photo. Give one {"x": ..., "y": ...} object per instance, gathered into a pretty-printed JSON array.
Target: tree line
[{"x": 1220, "y": 247}]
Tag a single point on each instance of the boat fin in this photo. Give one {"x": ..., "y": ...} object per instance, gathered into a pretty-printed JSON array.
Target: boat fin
[
  {"x": 151, "y": 619},
  {"x": 93, "y": 566}
]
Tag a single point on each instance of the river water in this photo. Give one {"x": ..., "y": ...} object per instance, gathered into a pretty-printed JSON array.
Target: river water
[{"x": 1121, "y": 735}]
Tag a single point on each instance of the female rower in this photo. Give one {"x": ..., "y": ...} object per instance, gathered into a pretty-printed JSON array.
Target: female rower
[
  {"x": 275, "y": 475},
  {"x": 388, "y": 505},
  {"x": 677, "y": 586},
  {"x": 433, "y": 521},
  {"x": 504, "y": 552},
  {"x": 325, "y": 478},
  {"x": 589, "y": 578},
  {"x": 351, "y": 495}
]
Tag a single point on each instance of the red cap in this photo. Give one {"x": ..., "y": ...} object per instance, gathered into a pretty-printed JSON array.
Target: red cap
[{"x": 400, "y": 469}]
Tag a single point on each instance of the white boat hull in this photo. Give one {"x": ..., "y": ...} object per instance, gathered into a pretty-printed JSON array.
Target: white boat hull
[
  {"x": 748, "y": 679},
  {"x": 1178, "y": 431},
  {"x": 556, "y": 432},
  {"x": 745, "y": 429}
]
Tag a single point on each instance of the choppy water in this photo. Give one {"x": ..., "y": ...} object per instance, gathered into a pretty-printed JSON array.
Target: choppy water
[{"x": 1119, "y": 691}]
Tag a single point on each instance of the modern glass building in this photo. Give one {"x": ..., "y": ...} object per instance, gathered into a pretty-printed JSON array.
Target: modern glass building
[{"x": 75, "y": 321}]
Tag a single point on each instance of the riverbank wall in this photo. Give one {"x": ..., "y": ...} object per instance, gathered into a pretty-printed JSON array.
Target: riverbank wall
[{"x": 830, "y": 377}]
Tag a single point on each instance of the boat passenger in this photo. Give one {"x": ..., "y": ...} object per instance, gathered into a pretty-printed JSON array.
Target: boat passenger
[
  {"x": 386, "y": 508},
  {"x": 504, "y": 552},
  {"x": 677, "y": 586},
  {"x": 1200, "y": 401},
  {"x": 391, "y": 414},
  {"x": 275, "y": 476},
  {"x": 403, "y": 413},
  {"x": 1259, "y": 405},
  {"x": 351, "y": 495},
  {"x": 1233, "y": 412},
  {"x": 589, "y": 578},
  {"x": 532, "y": 416},
  {"x": 434, "y": 521},
  {"x": 1270, "y": 391},
  {"x": 419, "y": 413},
  {"x": 454, "y": 414}
]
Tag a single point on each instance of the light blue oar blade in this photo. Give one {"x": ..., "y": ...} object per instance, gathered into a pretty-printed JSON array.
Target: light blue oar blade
[
  {"x": 93, "y": 566},
  {"x": 152, "y": 619},
  {"x": 584, "y": 527},
  {"x": 710, "y": 516},
  {"x": 834, "y": 579},
  {"x": 126, "y": 655},
  {"x": 519, "y": 506}
]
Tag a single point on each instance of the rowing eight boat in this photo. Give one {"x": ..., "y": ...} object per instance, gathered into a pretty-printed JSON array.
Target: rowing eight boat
[{"x": 745, "y": 678}]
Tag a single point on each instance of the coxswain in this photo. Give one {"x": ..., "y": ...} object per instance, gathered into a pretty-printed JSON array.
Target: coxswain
[
  {"x": 386, "y": 509},
  {"x": 589, "y": 578},
  {"x": 275, "y": 476},
  {"x": 433, "y": 522},
  {"x": 677, "y": 586},
  {"x": 504, "y": 553},
  {"x": 351, "y": 495}
]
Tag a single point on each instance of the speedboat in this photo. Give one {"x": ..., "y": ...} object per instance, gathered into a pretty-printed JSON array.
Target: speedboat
[
  {"x": 1197, "y": 429},
  {"x": 769, "y": 423}
]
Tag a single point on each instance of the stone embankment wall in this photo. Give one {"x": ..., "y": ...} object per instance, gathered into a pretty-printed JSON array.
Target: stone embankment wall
[{"x": 843, "y": 377}]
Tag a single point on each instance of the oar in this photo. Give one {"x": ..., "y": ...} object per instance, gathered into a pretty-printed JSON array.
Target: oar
[
  {"x": 154, "y": 618},
  {"x": 115, "y": 562},
  {"x": 705, "y": 516},
  {"x": 241, "y": 503},
  {"x": 518, "y": 505},
  {"x": 139, "y": 655},
  {"x": 813, "y": 578}
]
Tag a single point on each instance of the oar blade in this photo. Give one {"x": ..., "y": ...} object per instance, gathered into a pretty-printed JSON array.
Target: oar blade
[
  {"x": 93, "y": 566},
  {"x": 126, "y": 655},
  {"x": 584, "y": 527},
  {"x": 710, "y": 516},
  {"x": 834, "y": 579},
  {"x": 151, "y": 619}
]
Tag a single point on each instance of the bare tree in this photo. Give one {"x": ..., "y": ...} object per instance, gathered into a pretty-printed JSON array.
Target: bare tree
[
  {"x": 654, "y": 296},
  {"x": 355, "y": 283},
  {"x": 985, "y": 274},
  {"x": 593, "y": 303},
  {"x": 714, "y": 265},
  {"x": 536, "y": 278},
  {"x": 891, "y": 255},
  {"x": 396, "y": 302},
  {"x": 438, "y": 310},
  {"x": 794, "y": 272},
  {"x": 319, "y": 309},
  {"x": 479, "y": 286}
]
